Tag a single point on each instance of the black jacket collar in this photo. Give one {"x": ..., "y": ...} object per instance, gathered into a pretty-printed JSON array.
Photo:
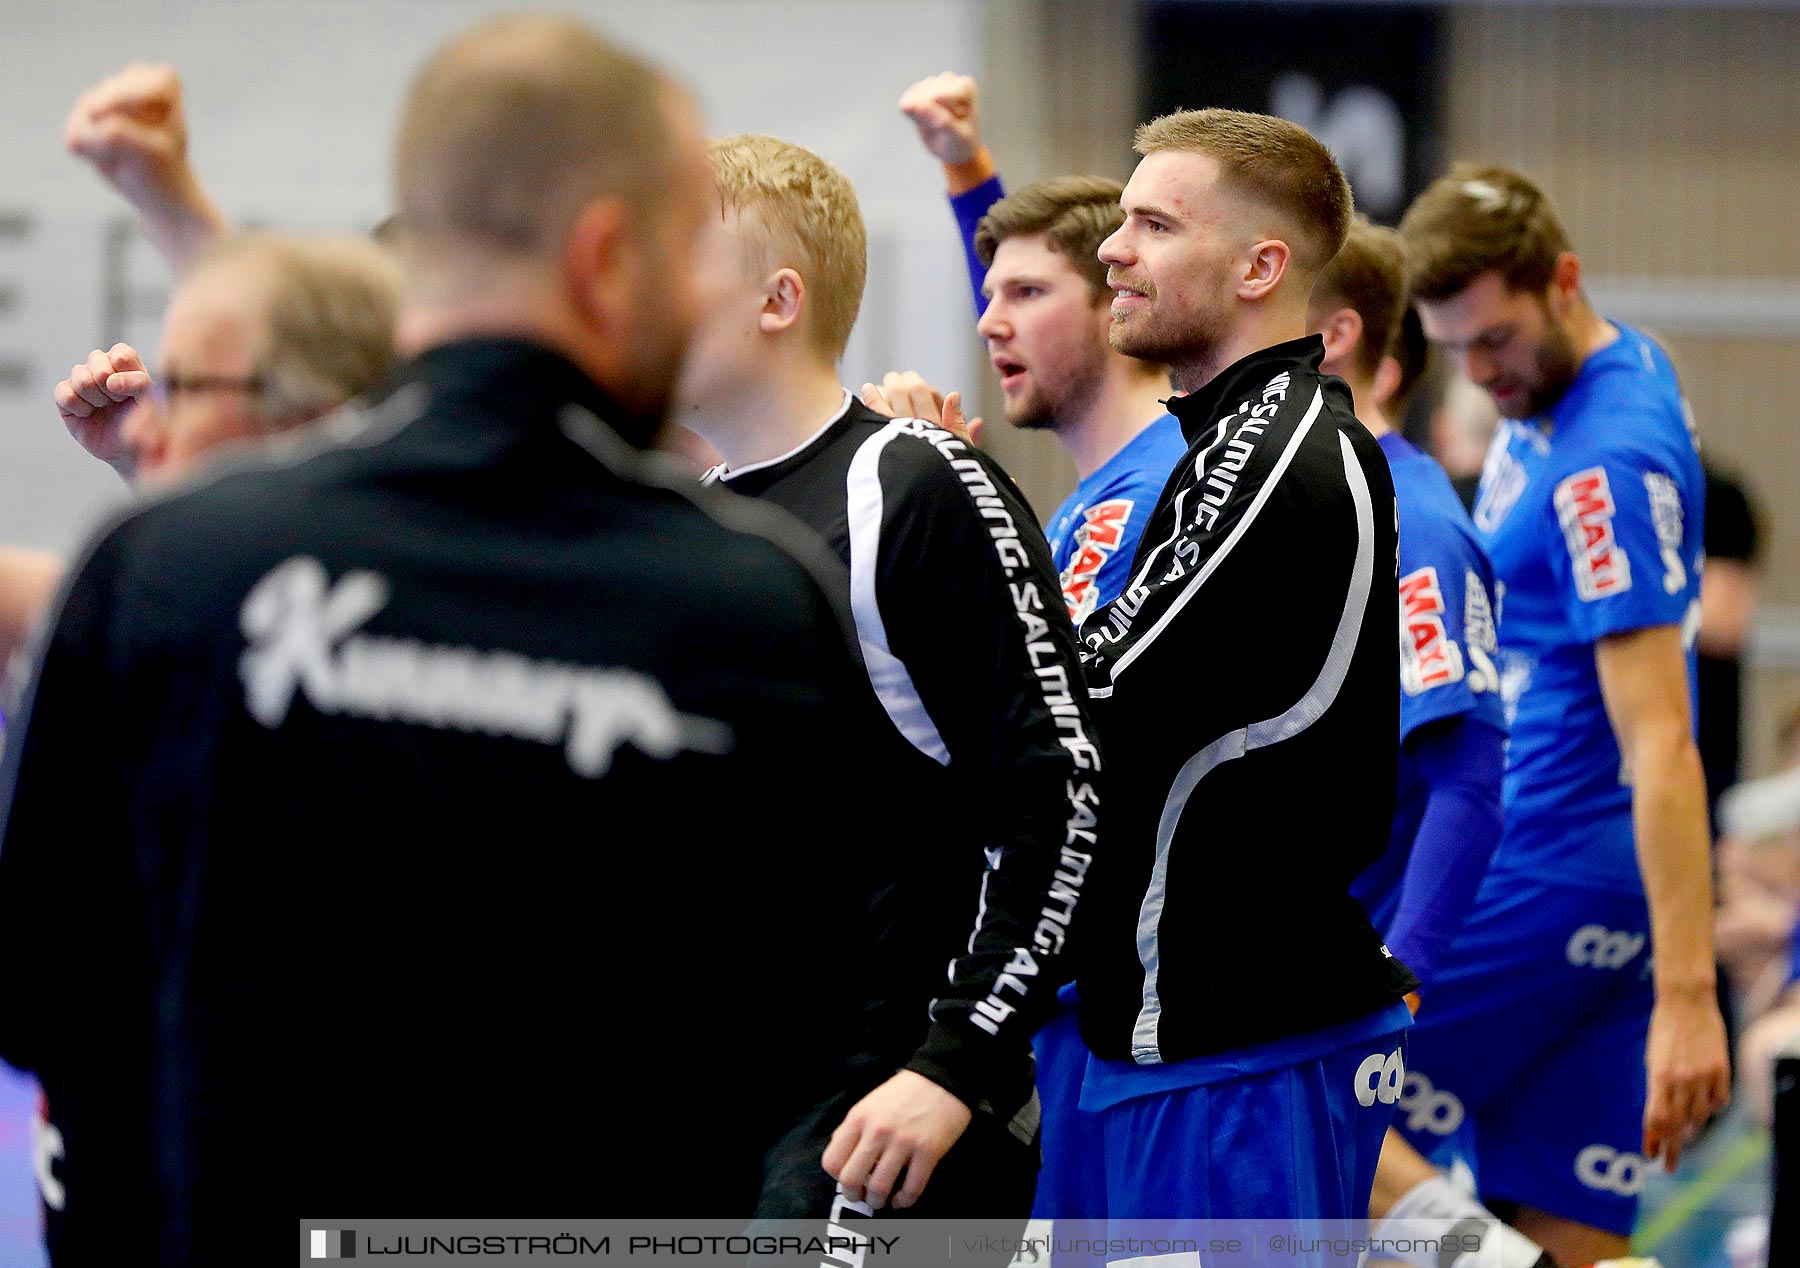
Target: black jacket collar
[
  {"x": 529, "y": 378},
  {"x": 1200, "y": 410}
]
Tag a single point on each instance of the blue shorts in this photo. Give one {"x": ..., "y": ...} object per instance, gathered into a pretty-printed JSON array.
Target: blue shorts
[
  {"x": 1527, "y": 1058},
  {"x": 1072, "y": 1178},
  {"x": 1289, "y": 1130}
]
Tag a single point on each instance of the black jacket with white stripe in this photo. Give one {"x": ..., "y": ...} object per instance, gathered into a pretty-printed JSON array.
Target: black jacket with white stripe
[
  {"x": 986, "y": 759},
  {"x": 378, "y": 823},
  {"x": 1244, "y": 682}
]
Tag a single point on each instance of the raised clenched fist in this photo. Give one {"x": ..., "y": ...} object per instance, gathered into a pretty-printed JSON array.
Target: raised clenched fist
[
  {"x": 944, "y": 108},
  {"x": 131, "y": 127}
]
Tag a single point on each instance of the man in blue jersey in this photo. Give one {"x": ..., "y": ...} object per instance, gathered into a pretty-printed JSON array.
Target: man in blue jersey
[
  {"x": 1575, "y": 1057},
  {"x": 1045, "y": 309},
  {"x": 1048, "y": 310},
  {"x": 1452, "y": 727}
]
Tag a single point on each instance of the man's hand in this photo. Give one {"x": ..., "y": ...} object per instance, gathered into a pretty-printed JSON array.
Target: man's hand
[
  {"x": 97, "y": 398},
  {"x": 1690, "y": 1074},
  {"x": 1644, "y": 682},
  {"x": 907, "y": 1124},
  {"x": 906, "y": 394},
  {"x": 132, "y": 128},
  {"x": 944, "y": 110}
]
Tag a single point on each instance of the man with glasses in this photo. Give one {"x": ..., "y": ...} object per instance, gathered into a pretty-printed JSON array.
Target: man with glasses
[{"x": 268, "y": 333}]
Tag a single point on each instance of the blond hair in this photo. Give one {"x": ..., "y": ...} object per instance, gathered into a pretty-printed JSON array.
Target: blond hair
[
  {"x": 1275, "y": 163},
  {"x": 1368, "y": 275},
  {"x": 1074, "y": 213},
  {"x": 1481, "y": 219},
  {"x": 332, "y": 306},
  {"x": 801, "y": 213},
  {"x": 512, "y": 128}
]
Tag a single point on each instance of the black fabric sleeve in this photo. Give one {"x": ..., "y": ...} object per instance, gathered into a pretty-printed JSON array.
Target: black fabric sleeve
[
  {"x": 76, "y": 1007},
  {"x": 63, "y": 865},
  {"x": 972, "y": 608}
]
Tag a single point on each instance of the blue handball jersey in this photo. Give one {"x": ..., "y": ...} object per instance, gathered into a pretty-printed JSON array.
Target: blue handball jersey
[
  {"x": 1592, "y": 517},
  {"x": 1094, "y": 533},
  {"x": 1448, "y": 645}
]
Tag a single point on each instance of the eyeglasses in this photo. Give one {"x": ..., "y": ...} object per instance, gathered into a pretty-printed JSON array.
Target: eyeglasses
[{"x": 165, "y": 388}]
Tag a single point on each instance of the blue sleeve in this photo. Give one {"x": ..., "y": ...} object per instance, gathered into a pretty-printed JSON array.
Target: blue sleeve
[
  {"x": 1628, "y": 544},
  {"x": 1462, "y": 761},
  {"x": 1448, "y": 638},
  {"x": 1794, "y": 957},
  {"x": 970, "y": 206}
]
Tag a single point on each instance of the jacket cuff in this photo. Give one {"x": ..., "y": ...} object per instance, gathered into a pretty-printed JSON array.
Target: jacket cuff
[{"x": 972, "y": 1071}]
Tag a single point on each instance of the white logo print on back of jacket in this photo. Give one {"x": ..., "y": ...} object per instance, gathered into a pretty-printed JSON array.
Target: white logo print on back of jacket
[{"x": 301, "y": 632}]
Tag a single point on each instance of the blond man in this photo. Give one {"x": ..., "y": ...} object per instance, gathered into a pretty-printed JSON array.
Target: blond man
[
  {"x": 1247, "y": 1021},
  {"x": 980, "y": 731}
]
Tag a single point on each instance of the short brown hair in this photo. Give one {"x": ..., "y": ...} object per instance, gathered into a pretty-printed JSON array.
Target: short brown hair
[
  {"x": 1074, "y": 213},
  {"x": 1275, "y": 162},
  {"x": 806, "y": 218},
  {"x": 333, "y": 304},
  {"x": 510, "y": 129},
  {"x": 1368, "y": 275},
  {"x": 1479, "y": 219}
]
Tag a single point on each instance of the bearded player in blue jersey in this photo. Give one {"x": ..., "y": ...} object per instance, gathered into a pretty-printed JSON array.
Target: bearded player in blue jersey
[
  {"x": 1550, "y": 1030},
  {"x": 1044, "y": 309},
  {"x": 1452, "y": 727},
  {"x": 1452, "y": 732}
]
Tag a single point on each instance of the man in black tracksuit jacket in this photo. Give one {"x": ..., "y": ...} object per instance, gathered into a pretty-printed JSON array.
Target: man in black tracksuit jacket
[
  {"x": 984, "y": 755},
  {"x": 377, "y": 812},
  {"x": 1245, "y": 1015},
  {"x": 1256, "y": 611}
]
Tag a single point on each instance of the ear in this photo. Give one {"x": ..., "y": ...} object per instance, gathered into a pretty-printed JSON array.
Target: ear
[
  {"x": 1268, "y": 264},
  {"x": 1565, "y": 283},
  {"x": 1341, "y": 330},
  {"x": 596, "y": 267},
  {"x": 784, "y": 299},
  {"x": 1387, "y": 380}
]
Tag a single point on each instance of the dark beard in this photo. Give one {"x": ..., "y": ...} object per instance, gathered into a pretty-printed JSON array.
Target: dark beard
[{"x": 1557, "y": 366}]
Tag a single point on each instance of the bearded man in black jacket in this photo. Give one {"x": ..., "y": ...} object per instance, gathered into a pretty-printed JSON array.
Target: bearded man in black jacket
[{"x": 1246, "y": 1017}]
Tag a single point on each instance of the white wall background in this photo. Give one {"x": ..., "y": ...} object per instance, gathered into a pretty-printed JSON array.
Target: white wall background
[{"x": 291, "y": 107}]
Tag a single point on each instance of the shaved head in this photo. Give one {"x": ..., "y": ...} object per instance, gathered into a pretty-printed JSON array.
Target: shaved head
[
  {"x": 552, "y": 186},
  {"x": 512, "y": 128}
]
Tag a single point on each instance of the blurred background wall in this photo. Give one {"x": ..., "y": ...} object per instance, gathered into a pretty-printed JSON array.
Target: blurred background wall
[{"x": 1668, "y": 134}]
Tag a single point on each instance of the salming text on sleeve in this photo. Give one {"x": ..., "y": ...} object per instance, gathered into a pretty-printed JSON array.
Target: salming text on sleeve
[{"x": 972, "y": 659}]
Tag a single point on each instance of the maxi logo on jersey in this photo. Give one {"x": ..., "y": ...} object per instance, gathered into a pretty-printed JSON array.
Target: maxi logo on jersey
[
  {"x": 1585, "y": 507},
  {"x": 1097, "y": 540},
  {"x": 1429, "y": 657}
]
